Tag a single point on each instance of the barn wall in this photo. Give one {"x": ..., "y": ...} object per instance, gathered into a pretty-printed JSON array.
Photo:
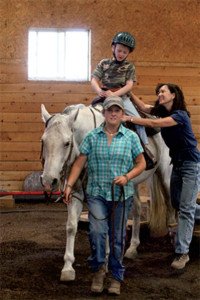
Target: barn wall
[{"x": 167, "y": 50}]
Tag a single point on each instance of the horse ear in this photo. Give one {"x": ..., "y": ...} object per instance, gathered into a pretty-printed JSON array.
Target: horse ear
[
  {"x": 73, "y": 117},
  {"x": 45, "y": 114}
]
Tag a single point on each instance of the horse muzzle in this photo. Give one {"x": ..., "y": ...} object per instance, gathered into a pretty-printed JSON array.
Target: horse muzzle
[{"x": 49, "y": 187}]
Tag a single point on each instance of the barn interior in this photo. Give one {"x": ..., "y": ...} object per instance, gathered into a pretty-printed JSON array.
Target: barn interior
[{"x": 167, "y": 50}]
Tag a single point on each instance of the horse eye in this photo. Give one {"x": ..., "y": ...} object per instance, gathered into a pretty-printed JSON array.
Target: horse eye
[{"x": 67, "y": 144}]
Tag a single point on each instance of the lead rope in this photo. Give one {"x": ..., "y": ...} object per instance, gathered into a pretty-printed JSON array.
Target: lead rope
[
  {"x": 112, "y": 216},
  {"x": 47, "y": 197},
  {"x": 114, "y": 207}
]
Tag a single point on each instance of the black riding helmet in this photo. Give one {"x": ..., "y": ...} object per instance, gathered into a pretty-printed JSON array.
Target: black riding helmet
[{"x": 124, "y": 38}]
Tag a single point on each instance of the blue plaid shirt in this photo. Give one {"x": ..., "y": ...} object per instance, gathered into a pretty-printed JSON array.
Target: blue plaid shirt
[{"x": 107, "y": 162}]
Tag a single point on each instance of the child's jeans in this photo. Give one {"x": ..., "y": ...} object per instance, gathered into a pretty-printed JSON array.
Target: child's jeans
[{"x": 131, "y": 111}]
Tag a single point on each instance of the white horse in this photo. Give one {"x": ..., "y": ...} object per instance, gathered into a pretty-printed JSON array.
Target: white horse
[{"x": 60, "y": 142}]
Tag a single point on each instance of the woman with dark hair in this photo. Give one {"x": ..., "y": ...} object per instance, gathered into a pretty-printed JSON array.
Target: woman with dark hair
[
  {"x": 176, "y": 130},
  {"x": 178, "y": 103}
]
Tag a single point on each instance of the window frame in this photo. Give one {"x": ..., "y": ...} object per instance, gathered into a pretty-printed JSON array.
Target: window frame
[{"x": 37, "y": 77}]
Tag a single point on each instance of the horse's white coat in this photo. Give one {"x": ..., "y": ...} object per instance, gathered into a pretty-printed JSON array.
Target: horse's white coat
[{"x": 62, "y": 130}]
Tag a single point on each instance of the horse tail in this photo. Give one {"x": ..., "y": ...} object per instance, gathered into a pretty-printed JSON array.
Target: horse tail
[{"x": 159, "y": 196}]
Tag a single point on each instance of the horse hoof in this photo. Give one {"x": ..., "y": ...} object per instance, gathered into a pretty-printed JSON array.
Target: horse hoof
[
  {"x": 131, "y": 253},
  {"x": 67, "y": 275}
]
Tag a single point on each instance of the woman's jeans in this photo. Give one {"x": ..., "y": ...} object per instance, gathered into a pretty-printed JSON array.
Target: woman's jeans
[
  {"x": 184, "y": 188},
  {"x": 98, "y": 230},
  {"x": 131, "y": 111}
]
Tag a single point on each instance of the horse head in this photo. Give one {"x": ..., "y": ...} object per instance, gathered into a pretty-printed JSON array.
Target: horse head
[{"x": 59, "y": 148}]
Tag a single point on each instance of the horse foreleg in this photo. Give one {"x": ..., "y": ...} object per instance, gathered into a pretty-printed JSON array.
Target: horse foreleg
[
  {"x": 74, "y": 211},
  {"x": 131, "y": 252}
]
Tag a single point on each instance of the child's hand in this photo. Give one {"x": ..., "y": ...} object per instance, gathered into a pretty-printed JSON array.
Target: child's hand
[
  {"x": 108, "y": 93},
  {"x": 102, "y": 94}
]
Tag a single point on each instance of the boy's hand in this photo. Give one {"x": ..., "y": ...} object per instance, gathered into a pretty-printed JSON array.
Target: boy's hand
[
  {"x": 102, "y": 94},
  {"x": 108, "y": 93}
]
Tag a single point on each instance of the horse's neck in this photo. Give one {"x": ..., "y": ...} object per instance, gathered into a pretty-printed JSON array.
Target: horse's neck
[{"x": 87, "y": 120}]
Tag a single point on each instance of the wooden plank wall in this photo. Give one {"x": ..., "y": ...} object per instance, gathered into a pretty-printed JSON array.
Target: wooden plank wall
[{"x": 167, "y": 50}]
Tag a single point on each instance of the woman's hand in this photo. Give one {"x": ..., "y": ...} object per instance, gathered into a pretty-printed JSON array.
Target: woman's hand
[
  {"x": 126, "y": 118},
  {"x": 74, "y": 175},
  {"x": 121, "y": 180},
  {"x": 67, "y": 195}
]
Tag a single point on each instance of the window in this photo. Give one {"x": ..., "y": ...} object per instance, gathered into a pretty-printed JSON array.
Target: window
[{"x": 59, "y": 54}]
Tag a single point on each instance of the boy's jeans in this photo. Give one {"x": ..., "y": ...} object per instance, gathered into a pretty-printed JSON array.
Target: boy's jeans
[
  {"x": 184, "y": 188},
  {"x": 98, "y": 230},
  {"x": 131, "y": 111}
]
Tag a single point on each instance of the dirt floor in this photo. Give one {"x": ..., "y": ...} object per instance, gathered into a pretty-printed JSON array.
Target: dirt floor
[{"x": 32, "y": 249}]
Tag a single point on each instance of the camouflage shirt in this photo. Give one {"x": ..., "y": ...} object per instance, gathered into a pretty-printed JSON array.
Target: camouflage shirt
[{"x": 114, "y": 75}]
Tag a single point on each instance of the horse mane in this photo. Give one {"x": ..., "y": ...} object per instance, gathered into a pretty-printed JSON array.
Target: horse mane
[{"x": 67, "y": 110}]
